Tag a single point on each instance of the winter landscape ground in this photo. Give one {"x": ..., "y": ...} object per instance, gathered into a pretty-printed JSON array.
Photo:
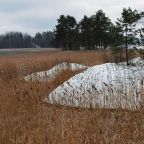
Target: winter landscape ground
[{"x": 71, "y": 98}]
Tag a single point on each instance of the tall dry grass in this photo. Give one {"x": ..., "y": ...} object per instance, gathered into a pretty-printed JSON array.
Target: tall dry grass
[{"x": 25, "y": 119}]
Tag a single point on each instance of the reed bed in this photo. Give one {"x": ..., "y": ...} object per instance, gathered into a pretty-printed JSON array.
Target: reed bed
[{"x": 25, "y": 119}]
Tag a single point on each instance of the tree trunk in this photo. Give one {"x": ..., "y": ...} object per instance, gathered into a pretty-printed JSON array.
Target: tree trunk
[
  {"x": 86, "y": 42},
  {"x": 127, "y": 59}
]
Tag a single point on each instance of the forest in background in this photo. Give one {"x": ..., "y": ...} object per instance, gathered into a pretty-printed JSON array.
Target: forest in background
[
  {"x": 20, "y": 40},
  {"x": 96, "y": 31}
]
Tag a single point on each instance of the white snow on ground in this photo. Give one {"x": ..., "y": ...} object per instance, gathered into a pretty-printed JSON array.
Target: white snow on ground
[
  {"x": 137, "y": 47},
  {"x": 140, "y": 47},
  {"x": 106, "y": 86},
  {"x": 52, "y": 73},
  {"x": 134, "y": 62}
]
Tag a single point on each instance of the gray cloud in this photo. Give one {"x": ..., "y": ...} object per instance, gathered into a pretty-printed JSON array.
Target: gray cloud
[{"x": 39, "y": 15}]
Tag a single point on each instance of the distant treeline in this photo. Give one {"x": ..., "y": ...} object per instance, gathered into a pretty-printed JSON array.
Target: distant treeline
[{"x": 20, "y": 40}]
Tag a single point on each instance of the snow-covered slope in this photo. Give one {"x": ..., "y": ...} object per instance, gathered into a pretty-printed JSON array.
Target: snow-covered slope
[
  {"x": 52, "y": 73},
  {"x": 108, "y": 86}
]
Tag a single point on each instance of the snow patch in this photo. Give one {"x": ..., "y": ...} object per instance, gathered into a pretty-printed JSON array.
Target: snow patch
[
  {"x": 134, "y": 62},
  {"x": 52, "y": 73},
  {"x": 105, "y": 86},
  {"x": 136, "y": 47},
  {"x": 140, "y": 47}
]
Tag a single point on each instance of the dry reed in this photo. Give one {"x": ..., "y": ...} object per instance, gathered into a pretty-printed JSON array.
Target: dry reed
[{"x": 25, "y": 119}]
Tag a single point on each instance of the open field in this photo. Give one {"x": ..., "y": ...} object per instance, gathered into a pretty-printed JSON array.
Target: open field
[
  {"x": 12, "y": 51},
  {"x": 26, "y": 119}
]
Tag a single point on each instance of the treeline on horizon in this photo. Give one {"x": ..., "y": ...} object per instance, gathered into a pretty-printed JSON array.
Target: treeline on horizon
[
  {"x": 96, "y": 31},
  {"x": 21, "y": 40}
]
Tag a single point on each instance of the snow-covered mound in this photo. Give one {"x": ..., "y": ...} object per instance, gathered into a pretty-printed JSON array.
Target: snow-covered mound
[
  {"x": 106, "y": 86},
  {"x": 52, "y": 73}
]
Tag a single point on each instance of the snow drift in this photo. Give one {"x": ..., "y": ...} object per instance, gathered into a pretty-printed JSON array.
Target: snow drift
[
  {"x": 106, "y": 86},
  {"x": 52, "y": 73}
]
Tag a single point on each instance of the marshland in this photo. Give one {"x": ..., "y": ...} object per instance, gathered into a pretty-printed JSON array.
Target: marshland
[
  {"x": 26, "y": 118},
  {"x": 71, "y": 72}
]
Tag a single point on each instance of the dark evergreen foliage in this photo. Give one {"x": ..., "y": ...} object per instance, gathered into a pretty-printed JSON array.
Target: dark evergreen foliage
[{"x": 127, "y": 23}]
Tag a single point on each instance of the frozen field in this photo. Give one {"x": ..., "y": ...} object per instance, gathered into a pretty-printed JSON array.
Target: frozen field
[{"x": 7, "y": 52}]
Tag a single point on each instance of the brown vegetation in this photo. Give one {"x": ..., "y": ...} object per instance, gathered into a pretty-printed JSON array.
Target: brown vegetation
[{"x": 25, "y": 119}]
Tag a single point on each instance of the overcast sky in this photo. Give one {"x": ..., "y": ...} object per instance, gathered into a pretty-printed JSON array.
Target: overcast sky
[{"x": 31, "y": 16}]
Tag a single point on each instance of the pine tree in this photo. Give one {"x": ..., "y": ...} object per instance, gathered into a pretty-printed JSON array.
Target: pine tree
[
  {"x": 102, "y": 27},
  {"x": 128, "y": 23},
  {"x": 65, "y": 32},
  {"x": 86, "y": 30}
]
